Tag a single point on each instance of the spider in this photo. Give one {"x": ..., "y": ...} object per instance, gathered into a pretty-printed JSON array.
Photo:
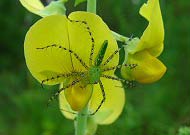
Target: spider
[{"x": 93, "y": 73}]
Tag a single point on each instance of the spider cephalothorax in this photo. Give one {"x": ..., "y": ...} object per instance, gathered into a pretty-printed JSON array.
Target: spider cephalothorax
[{"x": 94, "y": 74}]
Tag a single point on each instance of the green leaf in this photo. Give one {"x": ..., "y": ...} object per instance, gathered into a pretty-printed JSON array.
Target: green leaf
[
  {"x": 77, "y": 2},
  {"x": 184, "y": 131},
  {"x": 63, "y": 0}
]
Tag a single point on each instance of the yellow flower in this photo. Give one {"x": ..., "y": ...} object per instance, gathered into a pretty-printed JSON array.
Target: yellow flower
[
  {"x": 144, "y": 51},
  {"x": 51, "y": 46},
  {"x": 36, "y": 7}
]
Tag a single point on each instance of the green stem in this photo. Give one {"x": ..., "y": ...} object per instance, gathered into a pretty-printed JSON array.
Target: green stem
[
  {"x": 120, "y": 38},
  {"x": 81, "y": 122},
  {"x": 91, "y": 6},
  {"x": 62, "y": 1}
]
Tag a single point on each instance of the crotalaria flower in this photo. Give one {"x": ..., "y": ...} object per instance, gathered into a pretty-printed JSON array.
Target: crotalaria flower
[
  {"x": 61, "y": 50},
  {"x": 144, "y": 51}
]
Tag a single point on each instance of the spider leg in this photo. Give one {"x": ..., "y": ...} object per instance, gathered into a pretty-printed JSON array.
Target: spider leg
[
  {"x": 116, "y": 51},
  {"x": 129, "y": 83},
  {"x": 91, "y": 37},
  {"x": 60, "y": 90},
  {"x": 103, "y": 99},
  {"x": 69, "y": 50},
  {"x": 55, "y": 78},
  {"x": 80, "y": 74},
  {"x": 111, "y": 56},
  {"x": 131, "y": 66}
]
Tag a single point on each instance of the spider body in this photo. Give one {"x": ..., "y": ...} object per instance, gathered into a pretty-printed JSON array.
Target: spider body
[
  {"x": 94, "y": 74},
  {"x": 95, "y": 71}
]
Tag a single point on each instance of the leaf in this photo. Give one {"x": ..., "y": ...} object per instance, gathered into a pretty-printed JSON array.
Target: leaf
[
  {"x": 184, "y": 130},
  {"x": 77, "y": 2}
]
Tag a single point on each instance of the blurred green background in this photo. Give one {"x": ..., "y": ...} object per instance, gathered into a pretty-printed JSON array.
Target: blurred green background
[{"x": 156, "y": 109}]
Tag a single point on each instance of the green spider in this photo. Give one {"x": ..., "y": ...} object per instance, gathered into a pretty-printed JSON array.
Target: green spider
[{"x": 94, "y": 72}]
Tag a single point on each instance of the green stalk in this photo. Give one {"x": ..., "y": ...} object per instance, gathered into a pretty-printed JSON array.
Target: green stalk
[
  {"x": 63, "y": 1},
  {"x": 91, "y": 6},
  {"x": 81, "y": 122}
]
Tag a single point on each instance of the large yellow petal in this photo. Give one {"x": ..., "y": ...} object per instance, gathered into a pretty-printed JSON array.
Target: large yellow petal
[
  {"x": 153, "y": 37},
  {"x": 52, "y": 61},
  {"x": 113, "y": 105},
  {"x": 111, "y": 108},
  {"x": 149, "y": 68},
  {"x": 34, "y": 6},
  {"x": 81, "y": 40}
]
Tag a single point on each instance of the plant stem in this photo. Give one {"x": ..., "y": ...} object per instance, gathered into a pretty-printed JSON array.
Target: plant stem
[
  {"x": 63, "y": 1},
  {"x": 120, "y": 38},
  {"x": 81, "y": 122},
  {"x": 91, "y": 6}
]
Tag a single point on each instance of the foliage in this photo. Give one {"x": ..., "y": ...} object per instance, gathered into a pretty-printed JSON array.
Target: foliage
[
  {"x": 77, "y": 2},
  {"x": 184, "y": 131}
]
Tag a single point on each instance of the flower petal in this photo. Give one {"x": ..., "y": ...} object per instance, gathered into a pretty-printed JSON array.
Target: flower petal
[
  {"x": 65, "y": 107},
  {"x": 34, "y": 6},
  {"x": 153, "y": 37},
  {"x": 78, "y": 96},
  {"x": 149, "y": 68},
  {"x": 111, "y": 108},
  {"x": 52, "y": 61},
  {"x": 81, "y": 41},
  {"x": 113, "y": 105}
]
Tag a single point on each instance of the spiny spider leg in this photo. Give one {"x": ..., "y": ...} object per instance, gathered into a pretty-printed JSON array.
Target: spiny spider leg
[
  {"x": 116, "y": 51},
  {"x": 55, "y": 77},
  {"x": 60, "y": 90},
  {"x": 111, "y": 56},
  {"x": 62, "y": 76},
  {"x": 103, "y": 100},
  {"x": 131, "y": 66},
  {"x": 91, "y": 37},
  {"x": 129, "y": 83},
  {"x": 61, "y": 47}
]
